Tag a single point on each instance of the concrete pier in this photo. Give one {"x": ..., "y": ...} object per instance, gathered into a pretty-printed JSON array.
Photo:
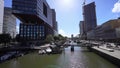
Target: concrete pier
[{"x": 113, "y": 56}]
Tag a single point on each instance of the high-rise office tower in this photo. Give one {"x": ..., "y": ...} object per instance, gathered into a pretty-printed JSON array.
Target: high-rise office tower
[
  {"x": 54, "y": 22},
  {"x": 1, "y": 15},
  {"x": 81, "y": 25},
  {"x": 9, "y": 22},
  {"x": 89, "y": 15},
  {"x": 82, "y": 30},
  {"x": 36, "y": 18}
]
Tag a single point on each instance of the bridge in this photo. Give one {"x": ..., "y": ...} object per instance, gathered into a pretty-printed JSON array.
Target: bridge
[{"x": 83, "y": 44}]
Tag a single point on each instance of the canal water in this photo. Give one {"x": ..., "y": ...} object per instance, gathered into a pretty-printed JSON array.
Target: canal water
[{"x": 80, "y": 58}]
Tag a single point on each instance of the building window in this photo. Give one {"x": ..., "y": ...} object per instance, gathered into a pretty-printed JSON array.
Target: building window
[{"x": 44, "y": 9}]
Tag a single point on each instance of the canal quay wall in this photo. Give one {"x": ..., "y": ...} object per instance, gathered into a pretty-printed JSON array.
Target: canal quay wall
[
  {"x": 13, "y": 55},
  {"x": 113, "y": 57}
]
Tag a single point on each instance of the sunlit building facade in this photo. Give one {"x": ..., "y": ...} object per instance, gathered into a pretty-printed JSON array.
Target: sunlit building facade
[
  {"x": 1, "y": 15},
  {"x": 109, "y": 31},
  {"x": 55, "y": 23},
  {"x": 9, "y": 22}
]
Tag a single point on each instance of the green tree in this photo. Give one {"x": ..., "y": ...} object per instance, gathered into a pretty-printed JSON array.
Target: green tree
[
  {"x": 49, "y": 39},
  {"x": 17, "y": 38},
  {"x": 59, "y": 40},
  {"x": 5, "y": 38},
  {"x": 56, "y": 38}
]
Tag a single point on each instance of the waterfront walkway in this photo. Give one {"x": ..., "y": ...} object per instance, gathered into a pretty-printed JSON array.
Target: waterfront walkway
[
  {"x": 107, "y": 48},
  {"x": 115, "y": 53}
]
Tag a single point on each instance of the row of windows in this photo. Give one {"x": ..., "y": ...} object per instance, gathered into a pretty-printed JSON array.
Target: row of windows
[
  {"x": 24, "y": 2},
  {"x": 32, "y": 31},
  {"x": 23, "y": 5},
  {"x": 24, "y": 9},
  {"x": 29, "y": 38},
  {"x": 32, "y": 35},
  {"x": 32, "y": 28},
  {"x": 30, "y": 6}
]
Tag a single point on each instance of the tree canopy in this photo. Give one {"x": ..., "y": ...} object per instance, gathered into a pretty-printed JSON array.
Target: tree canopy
[{"x": 5, "y": 38}]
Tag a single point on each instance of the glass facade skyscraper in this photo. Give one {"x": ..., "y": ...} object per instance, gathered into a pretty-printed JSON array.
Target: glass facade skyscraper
[
  {"x": 33, "y": 31},
  {"x": 36, "y": 18}
]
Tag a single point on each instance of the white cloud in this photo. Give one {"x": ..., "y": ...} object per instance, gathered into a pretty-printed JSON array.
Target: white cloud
[
  {"x": 116, "y": 8},
  {"x": 62, "y": 32}
]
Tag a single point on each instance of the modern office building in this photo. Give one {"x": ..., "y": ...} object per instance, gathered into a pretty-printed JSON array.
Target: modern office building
[
  {"x": 118, "y": 33},
  {"x": 89, "y": 15},
  {"x": 109, "y": 30},
  {"x": 81, "y": 25},
  {"x": 82, "y": 30},
  {"x": 1, "y": 15},
  {"x": 36, "y": 18},
  {"x": 9, "y": 22},
  {"x": 32, "y": 31},
  {"x": 32, "y": 11},
  {"x": 91, "y": 35},
  {"x": 55, "y": 26}
]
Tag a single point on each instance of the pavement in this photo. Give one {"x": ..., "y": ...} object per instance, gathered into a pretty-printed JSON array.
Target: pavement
[{"x": 115, "y": 53}]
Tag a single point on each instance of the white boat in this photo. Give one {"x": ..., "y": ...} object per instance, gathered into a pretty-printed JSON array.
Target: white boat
[
  {"x": 41, "y": 52},
  {"x": 48, "y": 50}
]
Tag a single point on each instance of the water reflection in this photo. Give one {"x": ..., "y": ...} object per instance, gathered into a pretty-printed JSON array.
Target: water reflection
[{"x": 80, "y": 58}]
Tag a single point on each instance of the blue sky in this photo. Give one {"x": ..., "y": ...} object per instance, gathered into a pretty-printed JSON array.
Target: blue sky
[{"x": 69, "y": 13}]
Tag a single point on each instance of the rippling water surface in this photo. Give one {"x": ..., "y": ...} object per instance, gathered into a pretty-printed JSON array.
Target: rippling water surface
[{"x": 80, "y": 58}]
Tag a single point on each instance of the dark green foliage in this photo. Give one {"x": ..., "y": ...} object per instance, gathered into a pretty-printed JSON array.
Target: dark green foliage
[
  {"x": 49, "y": 39},
  {"x": 56, "y": 38},
  {"x": 17, "y": 38},
  {"x": 5, "y": 38},
  {"x": 59, "y": 40},
  {"x": 59, "y": 37}
]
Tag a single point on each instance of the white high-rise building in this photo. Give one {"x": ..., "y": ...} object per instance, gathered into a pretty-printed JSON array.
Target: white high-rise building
[
  {"x": 9, "y": 22},
  {"x": 1, "y": 14}
]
